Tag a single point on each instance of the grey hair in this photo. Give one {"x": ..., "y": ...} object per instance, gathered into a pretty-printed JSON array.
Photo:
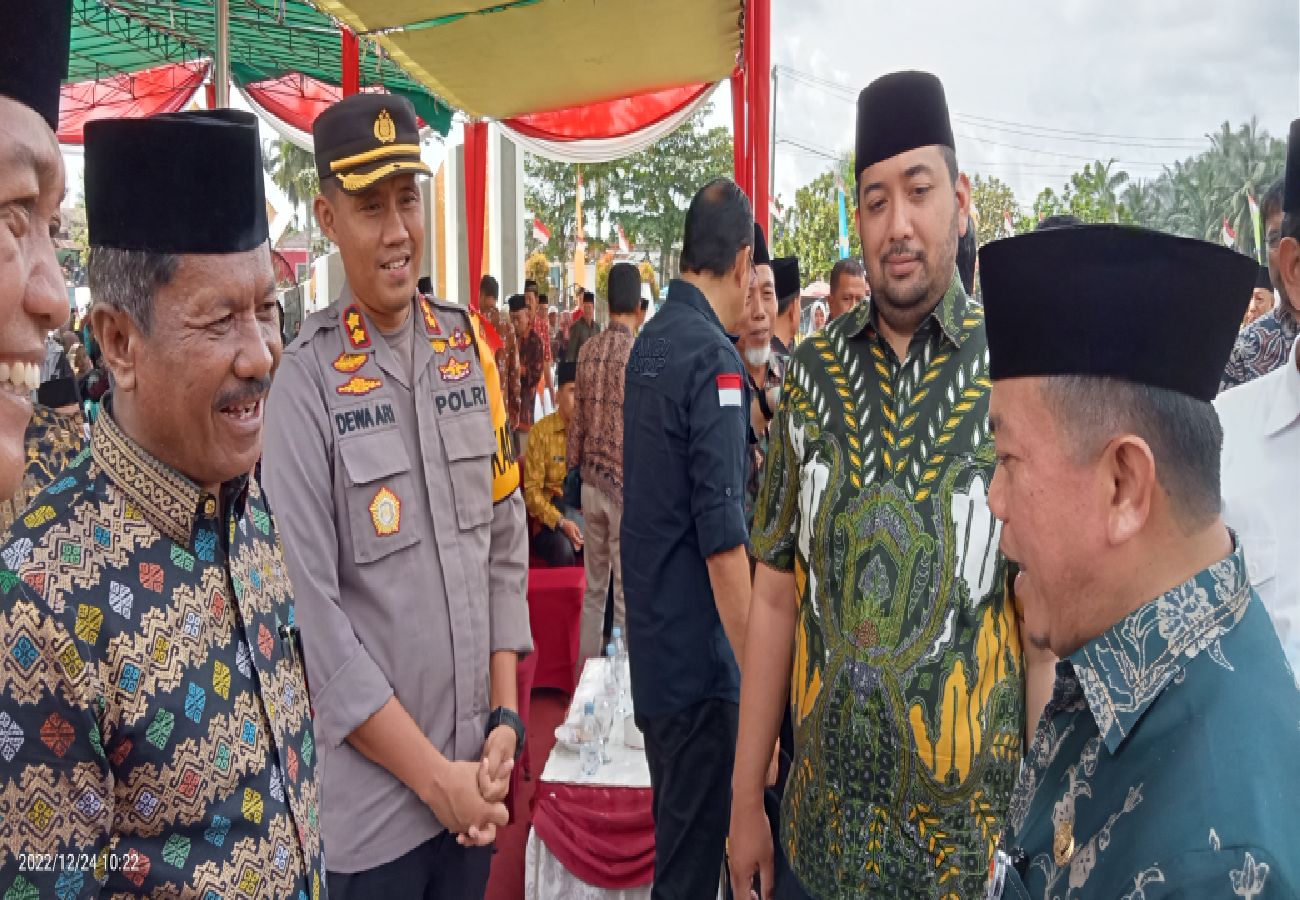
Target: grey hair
[
  {"x": 127, "y": 280},
  {"x": 1184, "y": 435}
]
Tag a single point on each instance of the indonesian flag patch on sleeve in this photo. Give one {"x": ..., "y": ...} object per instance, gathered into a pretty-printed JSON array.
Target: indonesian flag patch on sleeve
[{"x": 729, "y": 390}]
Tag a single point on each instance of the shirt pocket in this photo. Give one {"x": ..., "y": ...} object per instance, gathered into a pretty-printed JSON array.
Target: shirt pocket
[
  {"x": 379, "y": 485},
  {"x": 470, "y": 444}
]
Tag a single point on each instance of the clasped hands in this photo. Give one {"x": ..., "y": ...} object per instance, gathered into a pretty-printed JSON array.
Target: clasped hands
[{"x": 469, "y": 797}]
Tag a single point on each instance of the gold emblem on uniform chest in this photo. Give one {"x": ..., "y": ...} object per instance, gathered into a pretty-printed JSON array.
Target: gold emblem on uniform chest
[
  {"x": 385, "y": 129},
  {"x": 386, "y": 513},
  {"x": 1063, "y": 843},
  {"x": 454, "y": 370}
]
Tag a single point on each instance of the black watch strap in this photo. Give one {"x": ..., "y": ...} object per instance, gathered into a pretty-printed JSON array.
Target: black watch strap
[{"x": 505, "y": 716}]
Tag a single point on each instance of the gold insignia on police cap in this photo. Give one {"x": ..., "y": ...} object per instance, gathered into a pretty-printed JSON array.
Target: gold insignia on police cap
[
  {"x": 386, "y": 513},
  {"x": 385, "y": 129}
]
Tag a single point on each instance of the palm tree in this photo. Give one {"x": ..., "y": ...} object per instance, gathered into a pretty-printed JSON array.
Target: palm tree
[{"x": 293, "y": 170}]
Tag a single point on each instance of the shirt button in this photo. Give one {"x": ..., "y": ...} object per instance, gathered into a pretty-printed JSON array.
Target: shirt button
[
  {"x": 210, "y": 507},
  {"x": 727, "y": 491}
]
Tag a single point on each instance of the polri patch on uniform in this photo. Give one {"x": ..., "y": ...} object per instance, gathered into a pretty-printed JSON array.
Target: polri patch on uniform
[
  {"x": 355, "y": 326},
  {"x": 357, "y": 386},
  {"x": 729, "y": 390},
  {"x": 386, "y": 512},
  {"x": 347, "y": 363},
  {"x": 454, "y": 370}
]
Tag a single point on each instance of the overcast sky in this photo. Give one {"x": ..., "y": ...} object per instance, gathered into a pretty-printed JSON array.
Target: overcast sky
[{"x": 1151, "y": 76}]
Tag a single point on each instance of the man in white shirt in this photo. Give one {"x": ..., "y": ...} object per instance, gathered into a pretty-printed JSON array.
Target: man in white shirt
[{"x": 1261, "y": 454}]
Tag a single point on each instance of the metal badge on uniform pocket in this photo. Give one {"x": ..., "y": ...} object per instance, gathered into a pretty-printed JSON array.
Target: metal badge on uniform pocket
[{"x": 386, "y": 512}]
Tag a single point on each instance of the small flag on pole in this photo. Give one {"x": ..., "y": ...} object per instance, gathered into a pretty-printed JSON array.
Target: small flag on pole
[
  {"x": 843, "y": 214},
  {"x": 1229, "y": 236},
  {"x": 623, "y": 246},
  {"x": 1259, "y": 228},
  {"x": 541, "y": 233}
]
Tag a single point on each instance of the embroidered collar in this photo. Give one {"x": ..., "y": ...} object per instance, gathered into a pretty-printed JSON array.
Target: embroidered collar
[
  {"x": 1123, "y": 671},
  {"x": 956, "y": 314},
  {"x": 167, "y": 499}
]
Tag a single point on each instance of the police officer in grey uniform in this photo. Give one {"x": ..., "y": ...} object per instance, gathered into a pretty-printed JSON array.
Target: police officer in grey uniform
[{"x": 404, "y": 534}]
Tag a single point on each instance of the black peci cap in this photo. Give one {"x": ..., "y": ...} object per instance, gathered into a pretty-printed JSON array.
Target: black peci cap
[
  {"x": 517, "y": 302},
  {"x": 761, "y": 255},
  {"x": 34, "y": 46},
  {"x": 1116, "y": 302},
  {"x": 565, "y": 372},
  {"x": 785, "y": 272},
  {"x": 188, "y": 182},
  {"x": 1291, "y": 193},
  {"x": 900, "y": 112}
]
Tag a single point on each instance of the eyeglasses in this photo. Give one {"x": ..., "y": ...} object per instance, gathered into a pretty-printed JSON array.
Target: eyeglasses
[{"x": 1273, "y": 239}]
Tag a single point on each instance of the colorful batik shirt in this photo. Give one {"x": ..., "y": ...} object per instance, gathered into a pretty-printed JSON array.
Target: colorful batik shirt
[
  {"x": 1165, "y": 763},
  {"x": 532, "y": 365},
  {"x": 1262, "y": 346},
  {"x": 907, "y": 693},
  {"x": 154, "y": 718},
  {"x": 52, "y": 441},
  {"x": 774, "y": 377},
  {"x": 507, "y": 360}
]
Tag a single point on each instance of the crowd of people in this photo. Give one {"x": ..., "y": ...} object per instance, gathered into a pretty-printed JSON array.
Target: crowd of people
[{"x": 954, "y": 595}]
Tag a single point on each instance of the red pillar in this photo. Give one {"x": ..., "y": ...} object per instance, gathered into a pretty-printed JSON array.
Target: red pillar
[
  {"x": 760, "y": 91},
  {"x": 739, "y": 133},
  {"x": 475, "y": 202},
  {"x": 350, "y": 51}
]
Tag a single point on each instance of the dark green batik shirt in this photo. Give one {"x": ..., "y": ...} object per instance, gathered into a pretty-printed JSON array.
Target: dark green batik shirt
[
  {"x": 1165, "y": 763},
  {"x": 907, "y": 690}
]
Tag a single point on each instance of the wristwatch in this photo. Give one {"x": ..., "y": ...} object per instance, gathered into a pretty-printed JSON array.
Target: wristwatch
[{"x": 505, "y": 716}]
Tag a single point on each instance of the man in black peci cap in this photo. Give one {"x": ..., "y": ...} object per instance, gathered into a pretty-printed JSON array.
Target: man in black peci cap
[
  {"x": 1164, "y": 763},
  {"x": 881, "y": 606},
  {"x": 1263, "y": 345},
  {"x": 156, "y": 720},
  {"x": 388, "y": 461},
  {"x": 33, "y": 299}
]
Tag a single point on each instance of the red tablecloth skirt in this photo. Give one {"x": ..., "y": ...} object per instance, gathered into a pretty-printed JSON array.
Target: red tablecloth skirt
[{"x": 603, "y": 835}]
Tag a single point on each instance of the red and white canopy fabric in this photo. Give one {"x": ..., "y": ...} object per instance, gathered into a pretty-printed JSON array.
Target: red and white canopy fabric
[
  {"x": 162, "y": 89},
  {"x": 600, "y": 132},
  {"x": 291, "y": 103}
]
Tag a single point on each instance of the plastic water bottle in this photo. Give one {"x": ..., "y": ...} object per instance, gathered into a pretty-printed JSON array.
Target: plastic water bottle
[
  {"x": 622, "y": 676},
  {"x": 589, "y": 751},
  {"x": 611, "y": 686}
]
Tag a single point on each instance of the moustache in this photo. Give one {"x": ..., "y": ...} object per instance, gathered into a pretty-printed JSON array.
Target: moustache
[
  {"x": 247, "y": 392},
  {"x": 902, "y": 250}
]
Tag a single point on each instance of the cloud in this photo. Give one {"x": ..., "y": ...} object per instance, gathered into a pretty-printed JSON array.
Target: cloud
[{"x": 1168, "y": 70}]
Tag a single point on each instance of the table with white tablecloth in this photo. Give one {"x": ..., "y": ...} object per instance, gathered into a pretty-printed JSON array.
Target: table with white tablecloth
[{"x": 593, "y": 835}]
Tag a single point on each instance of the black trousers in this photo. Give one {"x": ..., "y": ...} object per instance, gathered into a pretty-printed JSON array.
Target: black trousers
[
  {"x": 690, "y": 754},
  {"x": 438, "y": 869}
]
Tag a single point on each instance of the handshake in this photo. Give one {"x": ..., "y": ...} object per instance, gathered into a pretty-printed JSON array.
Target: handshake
[{"x": 469, "y": 797}]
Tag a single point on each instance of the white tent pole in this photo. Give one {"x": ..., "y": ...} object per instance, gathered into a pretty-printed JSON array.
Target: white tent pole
[{"x": 221, "y": 76}]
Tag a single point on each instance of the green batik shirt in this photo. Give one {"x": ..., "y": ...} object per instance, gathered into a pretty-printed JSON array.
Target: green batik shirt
[
  {"x": 907, "y": 693},
  {"x": 1165, "y": 763}
]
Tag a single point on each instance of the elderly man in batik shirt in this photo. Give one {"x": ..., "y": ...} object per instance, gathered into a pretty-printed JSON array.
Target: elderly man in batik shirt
[
  {"x": 879, "y": 587},
  {"x": 1164, "y": 765},
  {"x": 154, "y": 718},
  {"x": 1264, "y": 344}
]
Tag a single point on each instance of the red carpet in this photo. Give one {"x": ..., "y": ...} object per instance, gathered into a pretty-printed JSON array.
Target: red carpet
[{"x": 507, "y": 881}]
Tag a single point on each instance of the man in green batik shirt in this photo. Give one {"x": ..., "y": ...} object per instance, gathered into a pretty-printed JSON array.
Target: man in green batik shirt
[
  {"x": 878, "y": 563},
  {"x": 1165, "y": 763}
]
